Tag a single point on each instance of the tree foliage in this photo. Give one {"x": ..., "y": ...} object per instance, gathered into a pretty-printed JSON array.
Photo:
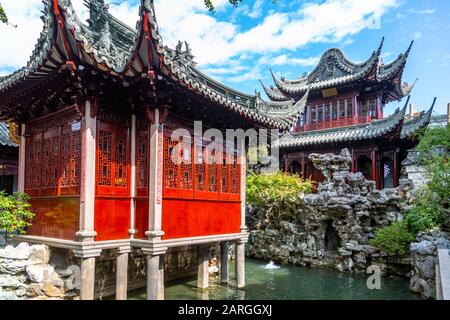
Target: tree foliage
[
  {"x": 431, "y": 205},
  {"x": 210, "y": 4},
  {"x": 15, "y": 214},
  {"x": 432, "y": 138},
  {"x": 263, "y": 189},
  {"x": 3, "y": 17}
]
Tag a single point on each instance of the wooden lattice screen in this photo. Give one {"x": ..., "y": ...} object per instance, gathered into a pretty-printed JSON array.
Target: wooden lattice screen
[
  {"x": 52, "y": 158},
  {"x": 183, "y": 178}
]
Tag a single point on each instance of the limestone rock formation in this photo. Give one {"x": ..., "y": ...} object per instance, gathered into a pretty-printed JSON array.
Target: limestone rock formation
[
  {"x": 330, "y": 228},
  {"x": 423, "y": 261},
  {"x": 25, "y": 273}
]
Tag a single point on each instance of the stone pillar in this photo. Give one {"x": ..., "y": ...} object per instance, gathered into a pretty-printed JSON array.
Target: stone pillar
[
  {"x": 122, "y": 273},
  {"x": 153, "y": 277},
  {"x": 240, "y": 263},
  {"x": 132, "y": 230},
  {"x": 87, "y": 285},
  {"x": 224, "y": 262},
  {"x": 156, "y": 178},
  {"x": 161, "y": 277},
  {"x": 88, "y": 161},
  {"x": 203, "y": 267},
  {"x": 22, "y": 156}
]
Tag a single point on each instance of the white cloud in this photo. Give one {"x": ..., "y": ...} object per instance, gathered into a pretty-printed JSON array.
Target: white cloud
[
  {"x": 216, "y": 42},
  {"x": 257, "y": 10},
  {"x": 18, "y": 43},
  {"x": 303, "y": 62}
]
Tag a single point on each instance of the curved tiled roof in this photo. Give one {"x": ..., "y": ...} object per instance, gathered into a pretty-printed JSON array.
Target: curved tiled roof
[
  {"x": 5, "y": 139},
  {"x": 375, "y": 129},
  {"x": 336, "y": 69},
  {"x": 110, "y": 46},
  {"x": 410, "y": 127}
]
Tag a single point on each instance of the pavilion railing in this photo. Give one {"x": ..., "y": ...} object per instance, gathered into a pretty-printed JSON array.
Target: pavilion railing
[{"x": 334, "y": 123}]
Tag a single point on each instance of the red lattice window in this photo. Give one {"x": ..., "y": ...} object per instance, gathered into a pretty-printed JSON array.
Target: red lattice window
[
  {"x": 75, "y": 159},
  {"x": 186, "y": 168},
  {"x": 54, "y": 162},
  {"x": 121, "y": 171},
  {"x": 70, "y": 159},
  {"x": 142, "y": 160},
  {"x": 235, "y": 177},
  {"x": 45, "y": 163},
  {"x": 112, "y": 159},
  {"x": 212, "y": 176},
  {"x": 170, "y": 168},
  {"x": 65, "y": 160},
  {"x": 53, "y": 158},
  {"x": 28, "y": 163},
  {"x": 104, "y": 147},
  {"x": 200, "y": 171}
]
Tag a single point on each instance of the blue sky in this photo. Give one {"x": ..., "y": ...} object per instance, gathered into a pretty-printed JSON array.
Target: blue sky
[{"x": 238, "y": 46}]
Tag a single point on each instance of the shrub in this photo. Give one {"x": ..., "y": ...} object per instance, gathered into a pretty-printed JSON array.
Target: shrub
[
  {"x": 432, "y": 138},
  {"x": 394, "y": 239},
  {"x": 263, "y": 189},
  {"x": 424, "y": 218},
  {"x": 15, "y": 215}
]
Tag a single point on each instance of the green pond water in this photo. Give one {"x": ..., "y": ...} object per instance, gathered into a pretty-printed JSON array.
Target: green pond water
[{"x": 287, "y": 283}]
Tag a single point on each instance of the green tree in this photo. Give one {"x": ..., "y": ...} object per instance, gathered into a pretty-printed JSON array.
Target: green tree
[
  {"x": 3, "y": 17},
  {"x": 210, "y": 4},
  {"x": 15, "y": 214}
]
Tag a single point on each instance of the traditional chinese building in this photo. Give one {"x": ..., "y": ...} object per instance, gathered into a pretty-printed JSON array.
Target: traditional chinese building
[
  {"x": 344, "y": 109},
  {"x": 96, "y": 105}
]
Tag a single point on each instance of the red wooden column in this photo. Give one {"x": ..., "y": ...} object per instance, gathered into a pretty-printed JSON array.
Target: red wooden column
[
  {"x": 355, "y": 110},
  {"x": 22, "y": 155},
  {"x": 395, "y": 175},
  {"x": 375, "y": 168}
]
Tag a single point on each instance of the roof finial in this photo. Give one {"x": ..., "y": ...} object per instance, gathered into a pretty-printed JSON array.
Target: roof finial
[
  {"x": 381, "y": 45},
  {"x": 409, "y": 48}
]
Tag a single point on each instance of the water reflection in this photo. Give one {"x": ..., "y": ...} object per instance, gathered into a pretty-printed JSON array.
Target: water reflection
[{"x": 288, "y": 282}]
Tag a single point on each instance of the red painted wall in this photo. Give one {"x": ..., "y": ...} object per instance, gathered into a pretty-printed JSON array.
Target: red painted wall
[
  {"x": 112, "y": 219},
  {"x": 55, "y": 218},
  {"x": 141, "y": 218},
  {"x": 191, "y": 218}
]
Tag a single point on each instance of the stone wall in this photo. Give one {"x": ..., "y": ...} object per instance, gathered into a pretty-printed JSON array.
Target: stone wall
[
  {"x": 25, "y": 273},
  {"x": 330, "y": 228},
  {"x": 179, "y": 263},
  {"x": 38, "y": 273}
]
